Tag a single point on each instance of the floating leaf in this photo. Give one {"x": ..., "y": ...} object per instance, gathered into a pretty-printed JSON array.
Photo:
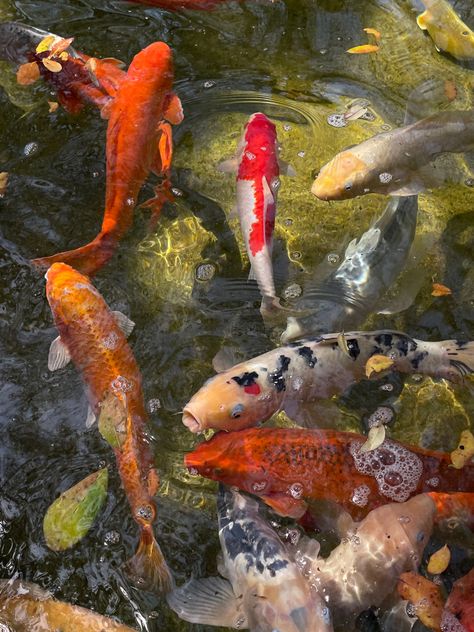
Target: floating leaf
[
  {"x": 373, "y": 32},
  {"x": 91, "y": 64},
  {"x": 364, "y": 49},
  {"x": 375, "y": 438},
  {"x": 112, "y": 422},
  {"x": 51, "y": 65},
  {"x": 64, "y": 55},
  {"x": 465, "y": 450},
  {"x": 53, "y": 106},
  {"x": 27, "y": 73},
  {"x": 356, "y": 111},
  {"x": 439, "y": 561},
  {"x": 71, "y": 515},
  {"x": 45, "y": 44},
  {"x": 342, "y": 343},
  {"x": 377, "y": 363},
  {"x": 3, "y": 182},
  {"x": 440, "y": 290},
  {"x": 425, "y": 596},
  {"x": 450, "y": 89},
  {"x": 60, "y": 45}
]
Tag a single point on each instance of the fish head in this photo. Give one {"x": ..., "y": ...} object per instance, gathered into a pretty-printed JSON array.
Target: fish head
[
  {"x": 344, "y": 177},
  {"x": 235, "y": 399},
  {"x": 154, "y": 61},
  {"x": 69, "y": 292}
]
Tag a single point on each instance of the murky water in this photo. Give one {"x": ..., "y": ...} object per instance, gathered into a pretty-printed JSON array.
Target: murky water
[{"x": 286, "y": 58}]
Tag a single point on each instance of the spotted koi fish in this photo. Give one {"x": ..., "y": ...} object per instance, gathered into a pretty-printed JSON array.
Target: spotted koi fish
[
  {"x": 258, "y": 168},
  {"x": 289, "y": 467},
  {"x": 139, "y": 139},
  {"x": 94, "y": 338},
  {"x": 447, "y": 30},
  {"x": 316, "y": 368},
  {"x": 264, "y": 589}
]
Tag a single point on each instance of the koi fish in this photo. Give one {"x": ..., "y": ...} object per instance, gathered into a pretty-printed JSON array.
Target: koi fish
[
  {"x": 449, "y": 33},
  {"x": 460, "y": 602},
  {"x": 94, "y": 338},
  {"x": 395, "y": 162},
  {"x": 370, "y": 266},
  {"x": 287, "y": 467},
  {"x": 263, "y": 589},
  {"x": 176, "y": 5},
  {"x": 316, "y": 368},
  {"x": 27, "y": 607},
  {"x": 258, "y": 168},
  {"x": 138, "y": 140}
]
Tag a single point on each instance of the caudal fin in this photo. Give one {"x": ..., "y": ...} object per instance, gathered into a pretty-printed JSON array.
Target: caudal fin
[
  {"x": 456, "y": 506},
  {"x": 461, "y": 358},
  {"x": 87, "y": 259},
  {"x": 148, "y": 568}
]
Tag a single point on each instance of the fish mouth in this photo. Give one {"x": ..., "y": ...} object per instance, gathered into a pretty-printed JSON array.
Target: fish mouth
[{"x": 191, "y": 421}]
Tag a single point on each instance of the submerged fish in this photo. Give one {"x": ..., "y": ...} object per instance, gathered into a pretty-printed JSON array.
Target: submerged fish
[
  {"x": 258, "y": 168},
  {"x": 138, "y": 140},
  {"x": 93, "y": 338},
  {"x": 312, "y": 369},
  {"x": 395, "y": 162},
  {"x": 289, "y": 467},
  {"x": 449, "y": 33},
  {"x": 176, "y": 5},
  {"x": 26, "y": 607},
  {"x": 369, "y": 268},
  {"x": 460, "y": 602},
  {"x": 263, "y": 589}
]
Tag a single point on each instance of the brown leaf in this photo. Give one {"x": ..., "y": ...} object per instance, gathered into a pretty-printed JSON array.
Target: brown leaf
[
  {"x": 53, "y": 106},
  {"x": 51, "y": 65},
  {"x": 373, "y": 32},
  {"x": 377, "y": 363},
  {"x": 440, "y": 290},
  {"x": 3, "y": 182},
  {"x": 61, "y": 45},
  {"x": 425, "y": 596},
  {"x": 27, "y": 73},
  {"x": 375, "y": 438},
  {"x": 465, "y": 450},
  {"x": 439, "y": 561},
  {"x": 364, "y": 49}
]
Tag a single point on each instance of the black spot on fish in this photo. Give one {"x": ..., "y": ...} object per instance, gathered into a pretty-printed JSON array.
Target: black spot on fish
[
  {"x": 277, "y": 565},
  {"x": 247, "y": 379},
  {"x": 384, "y": 339},
  {"x": 402, "y": 345},
  {"x": 419, "y": 357},
  {"x": 308, "y": 355},
  {"x": 276, "y": 377},
  {"x": 460, "y": 344},
  {"x": 353, "y": 347}
]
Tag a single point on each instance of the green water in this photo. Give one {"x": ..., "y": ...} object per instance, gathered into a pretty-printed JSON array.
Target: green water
[{"x": 288, "y": 59}]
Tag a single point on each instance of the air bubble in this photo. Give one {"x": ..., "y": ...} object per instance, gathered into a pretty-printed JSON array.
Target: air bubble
[
  {"x": 382, "y": 416},
  {"x": 360, "y": 495},
  {"x": 433, "y": 482},
  {"x": 193, "y": 471},
  {"x": 404, "y": 519},
  {"x": 296, "y": 255},
  {"x": 393, "y": 479},
  {"x": 387, "y": 387},
  {"x": 153, "y": 405},
  {"x": 30, "y": 148},
  {"x": 337, "y": 120},
  {"x": 121, "y": 384},
  {"x": 111, "y": 538},
  {"x": 301, "y": 154},
  {"x": 292, "y": 291},
  {"x": 208, "y": 84},
  {"x": 259, "y": 486},
  {"x": 130, "y": 201},
  {"x": 287, "y": 127},
  {"x": 333, "y": 258},
  {"x": 176, "y": 192},
  {"x": 296, "y": 490},
  {"x": 205, "y": 271},
  {"x": 385, "y": 177}
]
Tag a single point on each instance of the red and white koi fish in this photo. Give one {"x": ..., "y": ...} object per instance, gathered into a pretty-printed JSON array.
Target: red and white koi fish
[{"x": 258, "y": 168}]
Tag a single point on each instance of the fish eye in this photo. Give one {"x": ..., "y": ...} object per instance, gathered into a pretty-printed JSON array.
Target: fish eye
[
  {"x": 236, "y": 412},
  {"x": 348, "y": 186}
]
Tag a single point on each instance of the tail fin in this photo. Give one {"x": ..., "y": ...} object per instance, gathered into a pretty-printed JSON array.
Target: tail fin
[
  {"x": 87, "y": 259},
  {"x": 461, "y": 357},
  {"x": 148, "y": 568},
  {"x": 457, "y": 506}
]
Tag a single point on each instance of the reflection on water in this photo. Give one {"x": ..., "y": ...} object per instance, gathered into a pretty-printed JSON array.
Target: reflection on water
[{"x": 286, "y": 58}]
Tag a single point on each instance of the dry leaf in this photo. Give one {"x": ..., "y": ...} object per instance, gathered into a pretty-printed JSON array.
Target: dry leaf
[
  {"x": 45, "y": 44},
  {"x": 3, "y": 182},
  {"x": 342, "y": 343},
  {"x": 377, "y": 363},
  {"x": 27, "y": 73},
  {"x": 53, "y": 106},
  {"x": 64, "y": 55},
  {"x": 450, "y": 89},
  {"x": 465, "y": 450},
  {"x": 439, "y": 561},
  {"x": 373, "y": 32},
  {"x": 61, "y": 45},
  {"x": 440, "y": 290},
  {"x": 425, "y": 596},
  {"x": 375, "y": 438},
  {"x": 51, "y": 65},
  {"x": 362, "y": 50},
  {"x": 91, "y": 64}
]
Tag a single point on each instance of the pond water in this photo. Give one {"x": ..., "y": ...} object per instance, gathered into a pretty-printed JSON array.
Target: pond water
[{"x": 286, "y": 58}]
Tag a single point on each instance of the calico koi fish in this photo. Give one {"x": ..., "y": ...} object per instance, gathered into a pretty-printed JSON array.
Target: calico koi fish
[
  {"x": 264, "y": 589},
  {"x": 289, "y": 467},
  {"x": 93, "y": 337},
  {"x": 316, "y": 368},
  {"x": 449, "y": 33},
  {"x": 395, "y": 162},
  {"x": 258, "y": 168},
  {"x": 138, "y": 140}
]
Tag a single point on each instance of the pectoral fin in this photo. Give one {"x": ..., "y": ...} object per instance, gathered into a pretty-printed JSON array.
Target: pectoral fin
[
  {"x": 59, "y": 355},
  {"x": 125, "y": 324},
  {"x": 173, "y": 112},
  {"x": 91, "y": 418},
  {"x": 208, "y": 601},
  {"x": 421, "y": 20},
  {"x": 286, "y": 505},
  {"x": 231, "y": 165}
]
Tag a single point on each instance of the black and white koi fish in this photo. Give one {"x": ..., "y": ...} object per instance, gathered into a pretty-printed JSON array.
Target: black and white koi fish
[
  {"x": 263, "y": 590},
  {"x": 315, "y": 368},
  {"x": 369, "y": 268}
]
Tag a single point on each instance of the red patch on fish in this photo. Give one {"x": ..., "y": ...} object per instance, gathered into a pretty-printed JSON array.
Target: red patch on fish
[{"x": 253, "y": 389}]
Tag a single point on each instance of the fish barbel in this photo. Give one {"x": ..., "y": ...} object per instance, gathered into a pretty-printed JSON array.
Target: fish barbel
[
  {"x": 93, "y": 338},
  {"x": 316, "y": 368},
  {"x": 449, "y": 33},
  {"x": 393, "y": 162},
  {"x": 263, "y": 590},
  {"x": 288, "y": 467}
]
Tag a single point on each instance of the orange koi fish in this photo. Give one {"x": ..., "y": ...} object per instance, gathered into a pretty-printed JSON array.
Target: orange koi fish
[
  {"x": 93, "y": 337},
  {"x": 289, "y": 467},
  {"x": 138, "y": 140}
]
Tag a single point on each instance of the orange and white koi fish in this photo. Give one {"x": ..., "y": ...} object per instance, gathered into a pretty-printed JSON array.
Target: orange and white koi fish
[
  {"x": 93, "y": 337},
  {"x": 449, "y": 33},
  {"x": 138, "y": 140}
]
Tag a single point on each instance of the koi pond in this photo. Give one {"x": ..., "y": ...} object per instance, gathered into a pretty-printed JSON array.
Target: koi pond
[{"x": 183, "y": 279}]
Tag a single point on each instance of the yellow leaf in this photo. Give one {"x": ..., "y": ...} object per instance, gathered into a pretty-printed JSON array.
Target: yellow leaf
[
  {"x": 440, "y": 290},
  {"x": 61, "y": 45},
  {"x": 51, "y": 65},
  {"x": 465, "y": 450},
  {"x": 375, "y": 438},
  {"x": 53, "y": 106},
  {"x": 64, "y": 55},
  {"x": 3, "y": 182},
  {"x": 27, "y": 74},
  {"x": 361, "y": 50},
  {"x": 342, "y": 343},
  {"x": 439, "y": 561},
  {"x": 373, "y": 32},
  {"x": 377, "y": 363},
  {"x": 91, "y": 64},
  {"x": 425, "y": 596},
  {"x": 45, "y": 44}
]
